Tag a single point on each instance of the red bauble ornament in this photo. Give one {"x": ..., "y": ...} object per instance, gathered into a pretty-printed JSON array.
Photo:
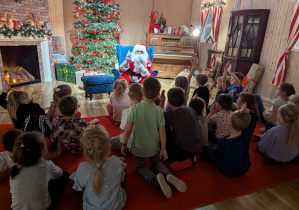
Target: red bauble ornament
[
  {"x": 84, "y": 11},
  {"x": 91, "y": 31},
  {"x": 113, "y": 62},
  {"x": 75, "y": 16},
  {"x": 91, "y": 55},
  {"x": 99, "y": 14},
  {"x": 88, "y": 61},
  {"x": 109, "y": 47},
  {"x": 72, "y": 63},
  {"x": 101, "y": 54},
  {"x": 103, "y": 29}
]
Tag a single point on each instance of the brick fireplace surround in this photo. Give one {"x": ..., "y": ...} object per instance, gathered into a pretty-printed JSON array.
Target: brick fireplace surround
[{"x": 22, "y": 11}]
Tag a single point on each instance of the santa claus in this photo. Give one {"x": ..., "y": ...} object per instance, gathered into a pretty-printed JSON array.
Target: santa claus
[{"x": 137, "y": 65}]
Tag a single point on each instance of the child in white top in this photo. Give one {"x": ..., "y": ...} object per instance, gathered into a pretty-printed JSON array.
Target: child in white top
[
  {"x": 8, "y": 142},
  {"x": 119, "y": 101},
  {"x": 30, "y": 176},
  {"x": 220, "y": 114},
  {"x": 136, "y": 96},
  {"x": 100, "y": 178}
]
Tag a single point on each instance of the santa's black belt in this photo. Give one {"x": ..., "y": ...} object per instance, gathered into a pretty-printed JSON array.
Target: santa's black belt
[{"x": 133, "y": 73}]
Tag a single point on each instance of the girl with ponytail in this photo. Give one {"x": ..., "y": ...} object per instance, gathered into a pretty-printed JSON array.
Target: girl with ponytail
[
  {"x": 281, "y": 143},
  {"x": 30, "y": 183},
  {"x": 100, "y": 177},
  {"x": 119, "y": 101}
]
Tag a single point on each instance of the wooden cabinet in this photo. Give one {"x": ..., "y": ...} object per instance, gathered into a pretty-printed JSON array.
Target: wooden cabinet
[
  {"x": 173, "y": 53},
  {"x": 245, "y": 38}
]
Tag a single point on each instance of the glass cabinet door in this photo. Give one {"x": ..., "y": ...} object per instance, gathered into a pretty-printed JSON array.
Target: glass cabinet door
[
  {"x": 250, "y": 34},
  {"x": 235, "y": 35}
]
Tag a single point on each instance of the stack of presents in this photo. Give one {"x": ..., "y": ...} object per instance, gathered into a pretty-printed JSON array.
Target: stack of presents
[
  {"x": 65, "y": 71},
  {"x": 71, "y": 73}
]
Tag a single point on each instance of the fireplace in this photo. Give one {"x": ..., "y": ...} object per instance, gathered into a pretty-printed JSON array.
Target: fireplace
[
  {"x": 20, "y": 65},
  {"x": 26, "y": 59}
]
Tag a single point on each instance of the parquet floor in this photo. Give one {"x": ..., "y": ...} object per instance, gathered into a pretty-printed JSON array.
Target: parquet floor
[{"x": 283, "y": 197}]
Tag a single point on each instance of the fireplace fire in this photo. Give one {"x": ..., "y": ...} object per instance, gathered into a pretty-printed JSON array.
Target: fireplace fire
[{"x": 20, "y": 65}]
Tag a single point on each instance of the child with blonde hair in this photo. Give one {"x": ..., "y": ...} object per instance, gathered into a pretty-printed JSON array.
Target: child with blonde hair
[
  {"x": 35, "y": 183},
  {"x": 59, "y": 92},
  {"x": 20, "y": 105},
  {"x": 281, "y": 143},
  {"x": 294, "y": 99},
  {"x": 101, "y": 176},
  {"x": 119, "y": 101}
]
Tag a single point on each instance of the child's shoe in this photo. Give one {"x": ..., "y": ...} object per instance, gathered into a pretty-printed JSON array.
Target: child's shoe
[
  {"x": 164, "y": 186},
  {"x": 181, "y": 165},
  {"x": 177, "y": 183}
]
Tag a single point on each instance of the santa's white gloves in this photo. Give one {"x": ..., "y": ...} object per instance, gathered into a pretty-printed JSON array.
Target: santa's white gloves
[
  {"x": 125, "y": 65},
  {"x": 129, "y": 56},
  {"x": 145, "y": 72}
]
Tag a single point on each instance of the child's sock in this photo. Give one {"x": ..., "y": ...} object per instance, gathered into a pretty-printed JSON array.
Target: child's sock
[
  {"x": 177, "y": 183},
  {"x": 164, "y": 186},
  {"x": 181, "y": 165}
]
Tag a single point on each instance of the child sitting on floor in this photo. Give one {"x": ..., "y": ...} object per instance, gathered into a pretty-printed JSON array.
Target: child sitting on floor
[
  {"x": 236, "y": 78},
  {"x": 222, "y": 88},
  {"x": 135, "y": 95},
  {"x": 20, "y": 105},
  {"x": 119, "y": 101},
  {"x": 231, "y": 156},
  {"x": 294, "y": 99},
  {"x": 220, "y": 115},
  {"x": 182, "y": 131},
  {"x": 281, "y": 143},
  {"x": 35, "y": 183},
  {"x": 249, "y": 99},
  {"x": 58, "y": 93},
  {"x": 202, "y": 91},
  {"x": 148, "y": 125},
  {"x": 8, "y": 142},
  {"x": 269, "y": 116},
  {"x": 100, "y": 178},
  {"x": 198, "y": 105},
  {"x": 68, "y": 130},
  {"x": 183, "y": 83}
]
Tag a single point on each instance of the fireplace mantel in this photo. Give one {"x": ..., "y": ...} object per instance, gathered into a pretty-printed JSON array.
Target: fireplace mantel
[
  {"x": 44, "y": 55},
  {"x": 20, "y": 39}
]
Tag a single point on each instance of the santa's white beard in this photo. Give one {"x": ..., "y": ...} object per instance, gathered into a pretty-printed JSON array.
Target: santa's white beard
[{"x": 139, "y": 58}]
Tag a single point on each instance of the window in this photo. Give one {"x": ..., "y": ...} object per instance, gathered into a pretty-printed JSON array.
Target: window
[
  {"x": 208, "y": 29},
  {"x": 296, "y": 47}
]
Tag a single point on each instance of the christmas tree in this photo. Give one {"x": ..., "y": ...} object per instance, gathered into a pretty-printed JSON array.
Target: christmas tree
[{"x": 97, "y": 34}]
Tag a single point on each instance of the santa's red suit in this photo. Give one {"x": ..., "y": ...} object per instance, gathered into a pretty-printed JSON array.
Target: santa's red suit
[{"x": 136, "y": 68}]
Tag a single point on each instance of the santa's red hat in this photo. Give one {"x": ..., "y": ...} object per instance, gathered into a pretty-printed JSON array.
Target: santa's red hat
[{"x": 140, "y": 47}]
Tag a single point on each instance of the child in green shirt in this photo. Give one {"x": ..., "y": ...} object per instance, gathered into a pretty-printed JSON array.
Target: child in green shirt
[{"x": 146, "y": 120}]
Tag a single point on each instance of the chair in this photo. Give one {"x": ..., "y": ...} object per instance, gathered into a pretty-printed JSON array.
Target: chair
[
  {"x": 122, "y": 51},
  {"x": 99, "y": 83}
]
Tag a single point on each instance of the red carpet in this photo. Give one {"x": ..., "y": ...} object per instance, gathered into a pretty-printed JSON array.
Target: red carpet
[{"x": 205, "y": 183}]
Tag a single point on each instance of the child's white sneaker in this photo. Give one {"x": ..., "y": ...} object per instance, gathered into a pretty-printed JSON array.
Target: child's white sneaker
[
  {"x": 164, "y": 186},
  {"x": 177, "y": 183}
]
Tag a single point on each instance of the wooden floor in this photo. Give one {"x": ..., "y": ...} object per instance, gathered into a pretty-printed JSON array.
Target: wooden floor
[{"x": 282, "y": 197}]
